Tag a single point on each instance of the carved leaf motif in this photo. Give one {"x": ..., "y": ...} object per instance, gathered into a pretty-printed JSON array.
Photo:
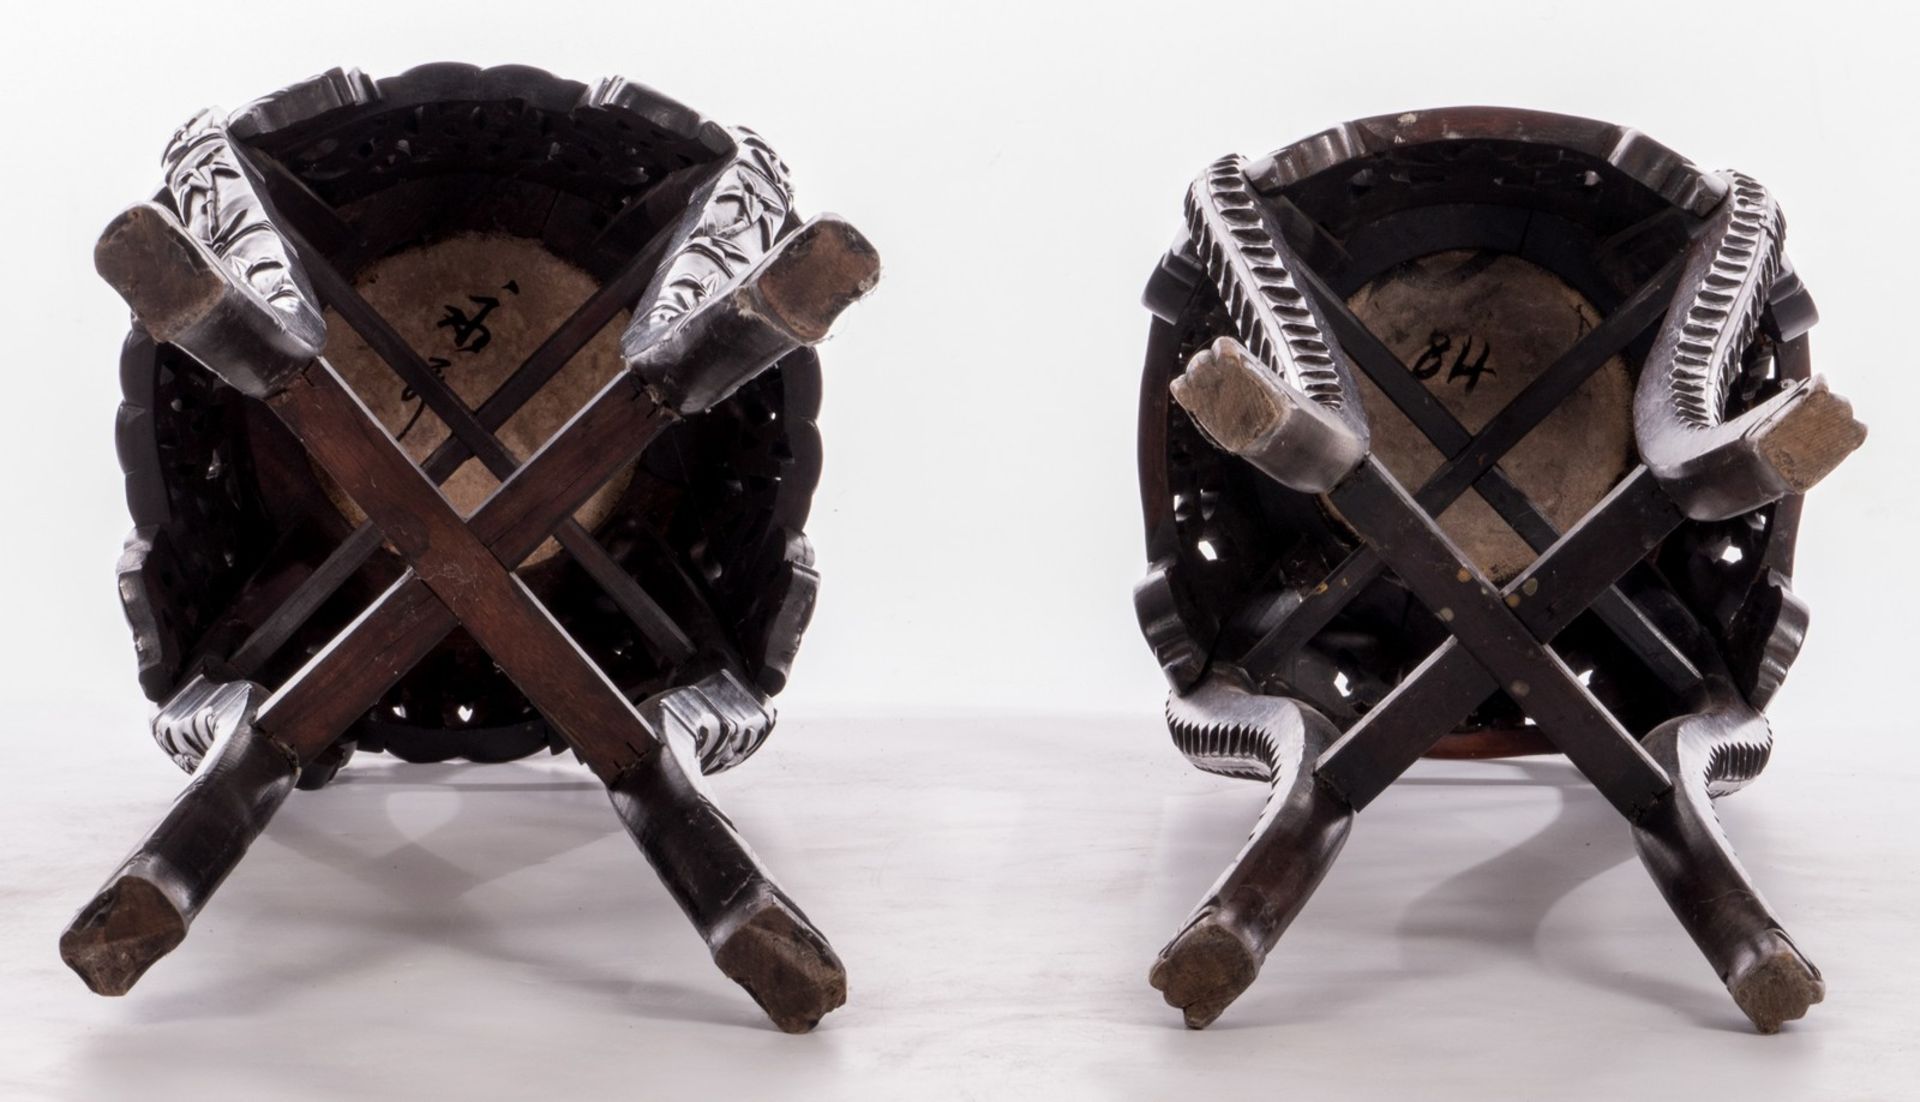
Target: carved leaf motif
[
  {"x": 741, "y": 220},
  {"x": 218, "y": 203}
]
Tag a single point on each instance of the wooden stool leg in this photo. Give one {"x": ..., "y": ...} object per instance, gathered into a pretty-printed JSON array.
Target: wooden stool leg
[
  {"x": 214, "y": 276},
  {"x": 757, "y": 935},
  {"x": 150, "y": 900},
  {"x": 1683, "y": 846},
  {"x": 1224, "y": 728}
]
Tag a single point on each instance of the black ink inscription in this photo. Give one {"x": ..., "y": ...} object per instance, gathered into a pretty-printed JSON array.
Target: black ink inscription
[
  {"x": 1465, "y": 364},
  {"x": 438, "y": 365},
  {"x": 470, "y": 335}
]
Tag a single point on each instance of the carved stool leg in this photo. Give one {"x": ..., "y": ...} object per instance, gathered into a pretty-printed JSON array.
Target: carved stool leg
[
  {"x": 1728, "y": 426},
  {"x": 1225, "y": 728},
  {"x": 758, "y": 936},
  {"x": 461, "y": 567},
  {"x": 1683, "y": 846},
  {"x": 147, "y": 904}
]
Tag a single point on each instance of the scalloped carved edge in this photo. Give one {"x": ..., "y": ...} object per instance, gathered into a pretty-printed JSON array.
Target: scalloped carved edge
[
  {"x": 786, "y": 609},
  {"x": 136, "y": 601},
  {"x": 617, "y": 93},
  {"x": 1781, "y": 644},
  {"x": 1651, "y": 164},
  {"x": 333, "y": 90},
  {"x": 342, "y": 88},
  {"x": 1165, "y": 623}
]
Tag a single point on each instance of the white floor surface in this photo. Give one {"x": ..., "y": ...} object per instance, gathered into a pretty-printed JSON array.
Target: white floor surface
[{"x": 997, "y": 887}]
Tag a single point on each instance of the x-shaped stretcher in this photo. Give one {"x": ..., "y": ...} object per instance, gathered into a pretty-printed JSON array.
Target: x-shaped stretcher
[
  {"x": 470, "y": 431},
  {"x": 1289, "y": 408},
  {"x": 193, "y": 290}
]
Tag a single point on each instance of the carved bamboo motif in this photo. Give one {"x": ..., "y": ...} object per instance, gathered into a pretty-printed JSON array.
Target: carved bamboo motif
[
  {"x": 744, "y": 212},
  {"x": 652, "y": 654}
]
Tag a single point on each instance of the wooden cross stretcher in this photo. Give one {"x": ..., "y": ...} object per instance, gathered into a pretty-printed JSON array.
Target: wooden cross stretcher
[
  {"x": 1281, "y": 394},
  {"x": 230, "y": 288}
]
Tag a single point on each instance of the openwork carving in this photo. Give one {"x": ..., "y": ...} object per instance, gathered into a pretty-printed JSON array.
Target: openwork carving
[
  {"x": 301, "y": 587},
  {"x": 1320, "y": 627}
]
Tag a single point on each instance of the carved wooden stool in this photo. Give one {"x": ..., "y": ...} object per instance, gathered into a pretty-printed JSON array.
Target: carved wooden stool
[
  {"x": 470, "y": 413},
  {"x": 1554, "y": 509}
]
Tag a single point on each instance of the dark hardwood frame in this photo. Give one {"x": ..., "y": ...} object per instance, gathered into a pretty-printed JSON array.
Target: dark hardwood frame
[
  {"x": 225, "y": 271},
  {"x": 1717, "y": 440}
]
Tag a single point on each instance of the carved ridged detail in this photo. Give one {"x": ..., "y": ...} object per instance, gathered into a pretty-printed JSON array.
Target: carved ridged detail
[
  {"x": 1271, "y": 313},
  {"x": 1229, "y": 731},
  {"x": 200, "y": 714},
  {"x": 1715, "y": 751},
  {"x": 725, "y": 720},
  {"x": 1735, "y": 763},
  {"x": 1728, "y": 298}
]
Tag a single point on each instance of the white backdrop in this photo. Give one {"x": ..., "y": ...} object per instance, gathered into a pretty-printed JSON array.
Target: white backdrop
[{"x": 1020, "y": 167}]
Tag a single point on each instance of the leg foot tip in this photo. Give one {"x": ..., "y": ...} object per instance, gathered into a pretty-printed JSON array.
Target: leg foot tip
[
  {"x": 1204, "y": 969},
  {"x": 120, "y": 934},
  {"x": 1774, "y": 984},
  {"x": 784, "y": 963},
  {"x": 1812, "y": 437}
]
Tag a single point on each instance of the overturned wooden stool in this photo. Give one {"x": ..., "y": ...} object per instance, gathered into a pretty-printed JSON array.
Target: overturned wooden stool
[
  {"x": 469, "y": 413},
  {"x": 1469, "y": 433}
]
